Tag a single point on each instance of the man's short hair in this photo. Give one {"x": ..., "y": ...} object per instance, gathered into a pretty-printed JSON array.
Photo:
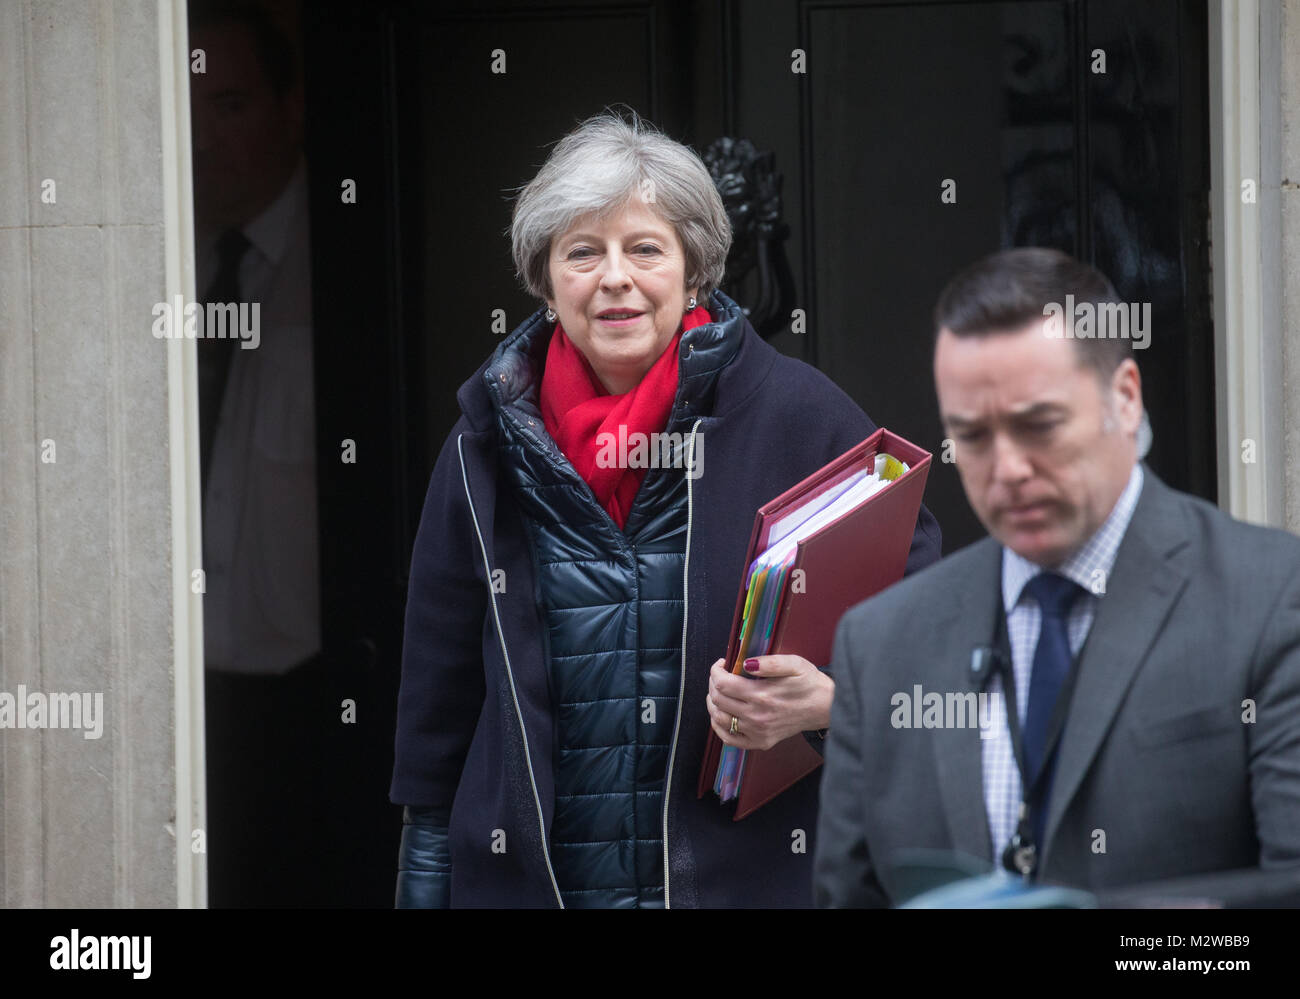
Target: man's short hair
[
  {"x": 274, "y": 50},
  {"x": 1004, "y": 292}
]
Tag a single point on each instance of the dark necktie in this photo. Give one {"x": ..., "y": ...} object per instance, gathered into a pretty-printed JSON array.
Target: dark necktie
[
  {"x": 1054, "y": 594},
  {"x": 215, "y": 354}
]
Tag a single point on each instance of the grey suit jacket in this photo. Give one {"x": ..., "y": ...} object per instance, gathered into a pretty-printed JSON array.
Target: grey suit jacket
[{"x": 1162, "y": 770}]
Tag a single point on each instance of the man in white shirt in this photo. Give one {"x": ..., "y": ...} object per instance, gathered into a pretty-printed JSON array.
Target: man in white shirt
[
  {"x": 262, "y": 599},
  {"x": 265, "y": 689}
]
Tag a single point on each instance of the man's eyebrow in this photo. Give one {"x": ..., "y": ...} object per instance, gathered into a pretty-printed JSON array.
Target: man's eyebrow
[
  {"x": 1037, "y": 409},
  {"x": 1030, "y": 412}
]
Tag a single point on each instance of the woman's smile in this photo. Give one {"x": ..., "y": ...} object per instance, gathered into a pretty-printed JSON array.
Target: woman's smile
[{"x": 619, "y": 318}]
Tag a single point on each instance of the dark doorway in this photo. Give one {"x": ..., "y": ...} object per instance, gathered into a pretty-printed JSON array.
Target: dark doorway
[
  {"x": 420, "y": 120},
  {"x": 1045, "y": 142}
]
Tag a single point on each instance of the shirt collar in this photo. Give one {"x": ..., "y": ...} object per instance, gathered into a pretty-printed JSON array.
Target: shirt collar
[
  {"x": 1091, "y": 564},
  {"x": 269, "y": 232}
]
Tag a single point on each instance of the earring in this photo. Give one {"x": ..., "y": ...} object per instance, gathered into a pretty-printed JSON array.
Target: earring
[
  {"x": 690, "y": 304},
  {"x": 550, "y": 315}
]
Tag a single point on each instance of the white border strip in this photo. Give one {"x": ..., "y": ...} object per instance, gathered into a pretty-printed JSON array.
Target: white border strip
[
  {"x": 183, "y": 451},
  {"x": 1244, "y": 94}
]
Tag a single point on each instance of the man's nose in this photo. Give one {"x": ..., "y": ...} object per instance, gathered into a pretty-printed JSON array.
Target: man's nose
[{"x": 1009, "y": 462}]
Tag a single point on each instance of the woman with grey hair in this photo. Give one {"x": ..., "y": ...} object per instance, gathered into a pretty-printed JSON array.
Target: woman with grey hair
[{"x": 576, "y": 566}]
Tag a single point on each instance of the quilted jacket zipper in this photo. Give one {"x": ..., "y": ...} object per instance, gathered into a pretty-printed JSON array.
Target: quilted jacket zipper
[
  {"x": 681, "y": 690},
  {"x": 523, "y": 733}
]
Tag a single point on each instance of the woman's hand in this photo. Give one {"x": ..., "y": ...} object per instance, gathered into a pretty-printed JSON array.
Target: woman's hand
[{"x": 790, "y": 695}]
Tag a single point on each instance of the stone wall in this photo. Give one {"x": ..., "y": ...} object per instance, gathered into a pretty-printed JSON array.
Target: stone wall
[{"x": 86, "y": 479}]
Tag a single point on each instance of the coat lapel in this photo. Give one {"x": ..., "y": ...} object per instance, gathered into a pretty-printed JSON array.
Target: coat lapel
[
  {"x": 1151, "y": 570},
  {"x": 958, "y": 752}
]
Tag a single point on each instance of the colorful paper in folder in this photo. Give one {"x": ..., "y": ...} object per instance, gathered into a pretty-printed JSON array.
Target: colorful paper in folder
[{"x": 769, "y": 574}]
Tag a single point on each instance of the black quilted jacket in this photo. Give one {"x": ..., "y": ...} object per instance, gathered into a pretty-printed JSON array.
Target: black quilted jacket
[{"x": 480, "y": 761}]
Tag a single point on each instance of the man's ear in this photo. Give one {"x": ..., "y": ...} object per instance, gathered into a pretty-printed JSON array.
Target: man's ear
[
  {"x": 1122, "y": 401},
  {"x": 1126, "y": 396}
]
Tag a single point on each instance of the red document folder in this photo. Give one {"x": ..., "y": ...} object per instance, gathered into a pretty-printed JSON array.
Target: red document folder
[{"x": 848, "y": 560}]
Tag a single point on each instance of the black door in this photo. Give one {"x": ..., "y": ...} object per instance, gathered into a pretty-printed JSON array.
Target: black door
[{"x": 421, "y": 119}]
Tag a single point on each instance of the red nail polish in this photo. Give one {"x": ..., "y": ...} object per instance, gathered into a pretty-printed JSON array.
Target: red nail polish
[{"x": 751, "y": 666}]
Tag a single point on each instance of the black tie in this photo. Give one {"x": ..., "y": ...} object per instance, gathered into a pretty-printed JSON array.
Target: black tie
[{"x": 215, "y": 354}]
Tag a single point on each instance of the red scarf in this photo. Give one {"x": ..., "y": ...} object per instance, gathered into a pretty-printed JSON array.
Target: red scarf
[{"x": 577, "y": 410}]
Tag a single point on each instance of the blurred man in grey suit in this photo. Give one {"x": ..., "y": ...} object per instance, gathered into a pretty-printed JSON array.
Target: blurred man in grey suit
[{"x": 1151, "y": 641}]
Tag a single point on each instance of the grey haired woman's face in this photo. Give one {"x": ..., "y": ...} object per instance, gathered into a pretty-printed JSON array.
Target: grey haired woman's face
[{"x": 618, "y": 286}]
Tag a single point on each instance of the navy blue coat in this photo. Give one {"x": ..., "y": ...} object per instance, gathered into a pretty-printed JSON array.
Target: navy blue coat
[{"x": 474, "y": 676}]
